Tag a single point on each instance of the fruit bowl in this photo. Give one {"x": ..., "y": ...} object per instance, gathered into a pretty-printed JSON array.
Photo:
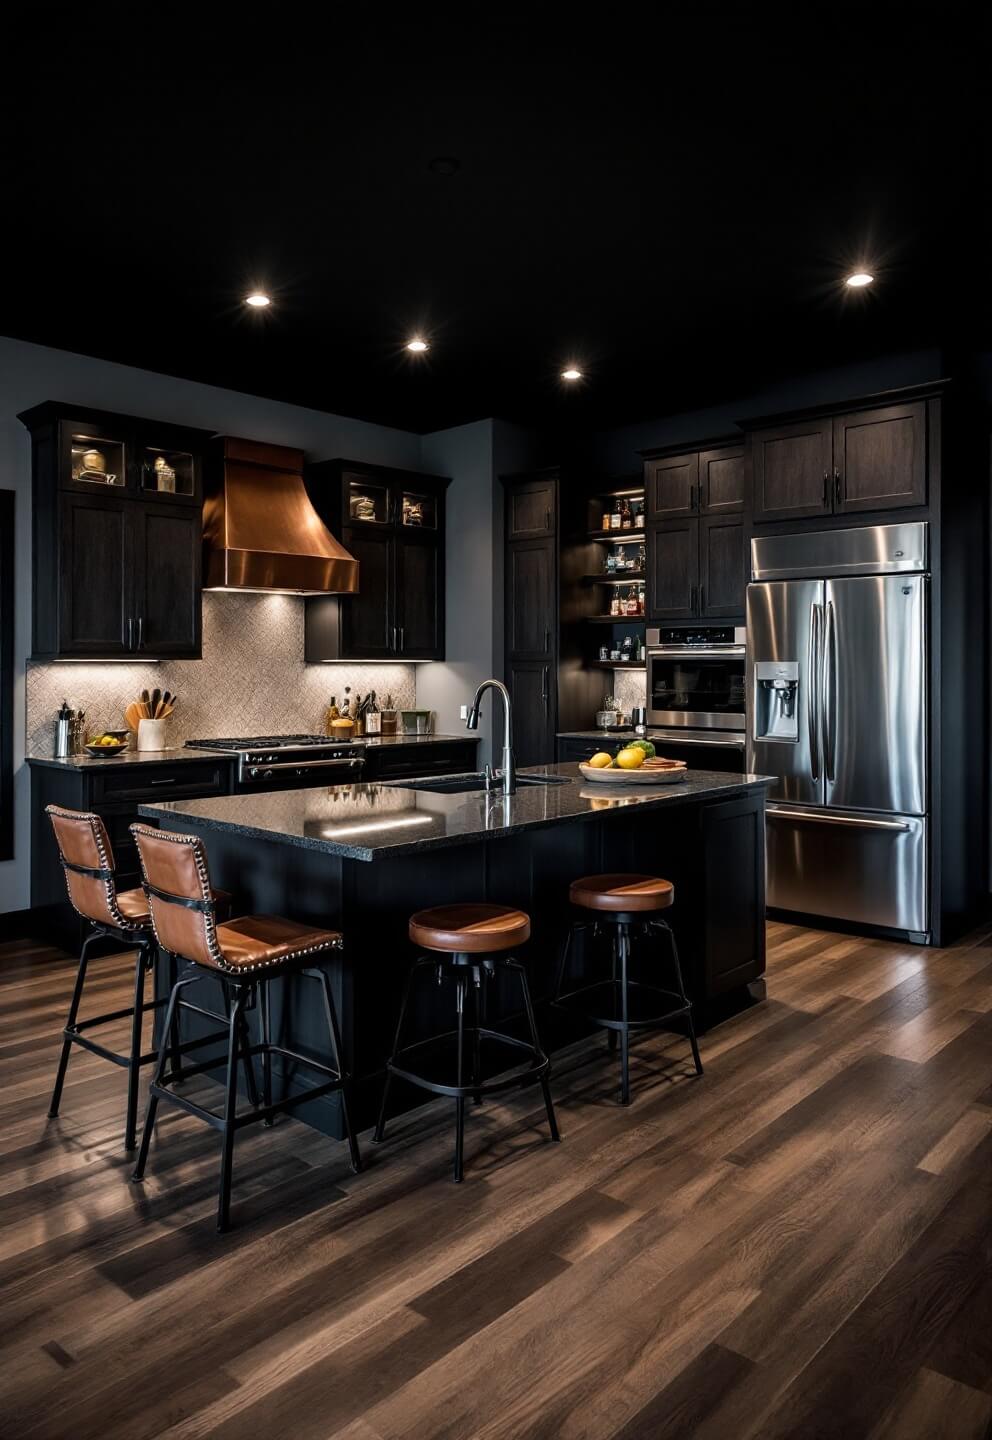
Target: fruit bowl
[
  {"x": 668, "y": 773},
  {"x": 119, "y": 739}
]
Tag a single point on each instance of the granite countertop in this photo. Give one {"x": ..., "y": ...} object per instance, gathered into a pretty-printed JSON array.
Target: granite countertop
[
  {"x": 182, "y": 752},
  {"x": 375, "y": 821},
  {"x": 127, "y": 757}
]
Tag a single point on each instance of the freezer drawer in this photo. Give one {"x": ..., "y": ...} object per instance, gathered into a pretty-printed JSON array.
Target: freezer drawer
[{"x": 866, "y": 869}]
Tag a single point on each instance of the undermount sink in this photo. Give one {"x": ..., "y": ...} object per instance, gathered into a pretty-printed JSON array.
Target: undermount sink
[{"x": 460, "y": 784}]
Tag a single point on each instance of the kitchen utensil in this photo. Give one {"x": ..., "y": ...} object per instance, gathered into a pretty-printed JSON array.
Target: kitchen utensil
[
  {"x": 62, "y": 724},
  {"x": 151, "y": 734},
  {"x": 607, "y": 719},
  {"x": 132, "y": 715},
  {"x": 667, "y": 774},
  {"x": 154, "y": 703}
]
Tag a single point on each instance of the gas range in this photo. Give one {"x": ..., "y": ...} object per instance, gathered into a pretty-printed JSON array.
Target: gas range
[{"x": 277, "y": 762}]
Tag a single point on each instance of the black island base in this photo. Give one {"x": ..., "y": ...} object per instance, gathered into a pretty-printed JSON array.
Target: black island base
[{"x": 363, "y": 858}]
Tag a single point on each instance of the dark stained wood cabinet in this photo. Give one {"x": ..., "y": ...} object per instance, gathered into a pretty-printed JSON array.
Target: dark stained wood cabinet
[
  {"x": 792, "y": 467},
  {"x": 879, "y": 458},
  {"x": 671, "y": 485},
  {"x": 534, "y": 711},
  {"x": 393, "y": 523},
  {"x": 531, "y": 599},
  {"x": 696, "y": 535},
  {"x": 864, "y": 460},
  {"x": 673, "y": 570},
  {"x": 530, "y": 510},
  {"x": 732, "y": 894},
  {"x": 117, "y": 550},
  {"x": 722, "y": 566}
]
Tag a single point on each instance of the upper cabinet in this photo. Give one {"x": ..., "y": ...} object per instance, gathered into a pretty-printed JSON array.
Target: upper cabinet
[
  {"x": 530, "y": 509},
  {"x": 117, "y": 521},
  {"x": 393, "y": 523},
  {"x": 695, "y": 541},
  {"x": 865, "y": 460}
]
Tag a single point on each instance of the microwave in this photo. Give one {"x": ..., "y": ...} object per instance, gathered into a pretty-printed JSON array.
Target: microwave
[{"x": 696, "y": 677}]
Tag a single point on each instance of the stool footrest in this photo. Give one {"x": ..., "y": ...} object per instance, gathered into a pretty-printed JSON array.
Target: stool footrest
[
  {"x": 584, "y": 1002},
  {"x": 540, "y": 1064}
]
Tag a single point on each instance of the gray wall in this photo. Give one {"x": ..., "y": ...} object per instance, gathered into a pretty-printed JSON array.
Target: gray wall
[{"x": 32, "y": 373}]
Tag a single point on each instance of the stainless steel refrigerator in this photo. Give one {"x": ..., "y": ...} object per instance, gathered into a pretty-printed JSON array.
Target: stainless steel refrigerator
[{"x": 837, "y": 635}]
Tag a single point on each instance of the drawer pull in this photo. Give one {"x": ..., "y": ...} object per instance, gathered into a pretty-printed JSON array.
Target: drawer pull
[{"x": 169, "y": 780}]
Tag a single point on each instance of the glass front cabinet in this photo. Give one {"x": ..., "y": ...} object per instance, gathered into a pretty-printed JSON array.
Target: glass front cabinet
[
  {"x": 392, "y": 522},
  {"x": 117, "y": 507}
]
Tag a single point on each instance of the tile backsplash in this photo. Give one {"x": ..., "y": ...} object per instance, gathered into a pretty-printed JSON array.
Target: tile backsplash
[
  {"x": 628, "y": 687},
  {"x": 250, "y": 681}
]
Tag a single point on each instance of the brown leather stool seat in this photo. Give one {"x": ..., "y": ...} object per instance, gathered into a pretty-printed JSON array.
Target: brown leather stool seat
[
  {"x": 469, "y": 929},
  {"x": 628, "y": 894}
]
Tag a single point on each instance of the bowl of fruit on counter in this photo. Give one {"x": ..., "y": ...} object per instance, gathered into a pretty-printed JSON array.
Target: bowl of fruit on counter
[
  {"x": 107, "y": 742},
  {"x": 635, "y": 763}
]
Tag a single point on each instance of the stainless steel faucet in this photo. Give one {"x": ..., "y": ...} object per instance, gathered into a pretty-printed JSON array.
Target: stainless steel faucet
[{"x": 509, "y": 771}]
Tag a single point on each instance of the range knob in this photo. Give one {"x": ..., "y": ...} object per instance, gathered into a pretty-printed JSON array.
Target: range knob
[
  {"x": 266, "y": 774},
  {"x": 253, "y": 772}
]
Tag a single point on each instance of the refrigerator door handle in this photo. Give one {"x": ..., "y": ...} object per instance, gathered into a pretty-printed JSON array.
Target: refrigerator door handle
[
  {"x": 776, "y": 814},
  {"x": 813, "y": 691},
  {"x": 829, "y": 694}
]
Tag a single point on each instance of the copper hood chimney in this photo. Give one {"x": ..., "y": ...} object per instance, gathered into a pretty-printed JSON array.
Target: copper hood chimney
[{"x": 260, "y": 529}]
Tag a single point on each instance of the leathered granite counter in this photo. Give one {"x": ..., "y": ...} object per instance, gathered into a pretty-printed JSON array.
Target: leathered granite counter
[
  {"x": 185, "y": 752},
  {"x": 376, "y": 821}
]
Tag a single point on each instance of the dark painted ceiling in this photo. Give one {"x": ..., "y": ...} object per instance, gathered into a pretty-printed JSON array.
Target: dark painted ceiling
[{"x": 671, "y": 204}]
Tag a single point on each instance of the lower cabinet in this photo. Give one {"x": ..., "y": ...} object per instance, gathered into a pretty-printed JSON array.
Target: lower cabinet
[
  {"x": 733, "y": 893},
  {"x": 402, "y": 762}
]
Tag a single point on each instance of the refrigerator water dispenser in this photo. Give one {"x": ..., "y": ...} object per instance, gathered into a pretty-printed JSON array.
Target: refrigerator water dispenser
[{"x": 776, "y": 700}]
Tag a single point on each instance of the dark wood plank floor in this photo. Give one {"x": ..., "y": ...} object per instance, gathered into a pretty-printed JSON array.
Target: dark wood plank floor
[{"x": 796, "y": 1245}]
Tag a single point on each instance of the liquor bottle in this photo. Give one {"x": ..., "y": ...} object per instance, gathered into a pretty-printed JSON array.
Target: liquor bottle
[
  {"x": 639, "y": 517},
  {"x": 626, "y": 516},
  {"x": 615, "y": 517},
  {"x": 373, "y": 716},
  {"x": 641, "y": 600},
  {"x": 615, "y": 603},
  {"x": 331, "y": 714},
  {"x": 360, "y": 707}
]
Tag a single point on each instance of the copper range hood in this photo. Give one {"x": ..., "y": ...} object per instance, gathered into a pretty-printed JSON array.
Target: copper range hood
[{"x": 260, "y": 529}]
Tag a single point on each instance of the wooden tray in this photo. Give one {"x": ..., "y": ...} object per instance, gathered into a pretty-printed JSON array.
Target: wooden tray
[{"x": 670, "y": 775}]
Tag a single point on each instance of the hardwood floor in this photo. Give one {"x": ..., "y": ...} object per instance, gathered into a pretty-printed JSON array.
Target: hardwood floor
[{"x": 796, "y": 1245}]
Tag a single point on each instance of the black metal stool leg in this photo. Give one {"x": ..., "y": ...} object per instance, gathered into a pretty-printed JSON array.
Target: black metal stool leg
[
  {"x": 380, "y": 1127},
  {"x": 460, "y": 988},
  {"x": 163, "y": 1059},
  {"x": 176, "y": 1063},
  {"x": 230, "y": 1111},
  {"x": 536, "y": 1042},
  {"x": 478, "y": 1017},
  {"x": 612, "y": 1036},
  {"x": 244, "y": 1045},
  {"x": 623, "y": 944},
  {"x": 335, "y": 1034},
  {"x": 266, "y": 1026},
  {"x": 77, "y": 995},
  {"x": 141, "y": 960}
]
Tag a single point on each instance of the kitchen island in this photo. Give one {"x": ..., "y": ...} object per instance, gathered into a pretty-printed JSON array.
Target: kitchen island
[{"x": 362, "y": 858}]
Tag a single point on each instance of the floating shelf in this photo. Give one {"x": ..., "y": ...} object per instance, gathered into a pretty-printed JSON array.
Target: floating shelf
[
  {"x": 614, "y": 619},
  {"x": 620, "y": 577},
  {"x": 616, "y": 665},
  {"x": 619, "y": 537}
]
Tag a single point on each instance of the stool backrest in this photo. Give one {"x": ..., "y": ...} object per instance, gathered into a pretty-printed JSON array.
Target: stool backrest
[
  {"x": 177, "y": 884},
  {"x": 88, "y": 865}
]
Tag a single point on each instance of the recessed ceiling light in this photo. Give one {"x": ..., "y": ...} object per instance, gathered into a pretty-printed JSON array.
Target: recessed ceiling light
[
  {"x": 258, "y": 300},
  {"x": 572, "y": 373},
  {"x": 417, "y": 346},
  {"x": 859, "y": 280}
]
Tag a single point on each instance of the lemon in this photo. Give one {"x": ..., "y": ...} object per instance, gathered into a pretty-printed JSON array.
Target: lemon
[
  {"x": 631, "y": 758},
  {"x": 601, "y": 761}
]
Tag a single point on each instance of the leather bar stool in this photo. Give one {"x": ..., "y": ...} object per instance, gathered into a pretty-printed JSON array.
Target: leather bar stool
[
  {"x": 627, "y": 907},
  {"x": 120, "y": 916},
  {"x": 468, "y": 945},
  {"x": 247, "y": 954}
]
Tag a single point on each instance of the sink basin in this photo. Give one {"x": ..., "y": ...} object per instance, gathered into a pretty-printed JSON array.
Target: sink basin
[{"x": 462, "y": 784}]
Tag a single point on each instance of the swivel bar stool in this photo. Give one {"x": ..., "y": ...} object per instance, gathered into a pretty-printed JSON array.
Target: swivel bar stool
[
  {"x": 118, "y": 916},
  {"x": 626, "y": 906},
  {"x": 468, "y": 945},
  {"x": 247, "y": 953}
]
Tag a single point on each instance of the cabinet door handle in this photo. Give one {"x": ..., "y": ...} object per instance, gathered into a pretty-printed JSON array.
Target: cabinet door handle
[
  {"x": 402, "y": 639},
  {"x": 544, "y": 687},
  {"x": 141, "y": 631},
  {"x": 692, "y": 599},
  {"x": 702, "y": 598},
  {"x": 547, "y": 639},
  {"x": 170, "y": 781},
  {"x": 395, "y": 644},
  {"x": 547, "y": 518},
  {"x": 826, "y": 489},
  {"x": 836, "y": 485},
  {"x": 130, "y": 632}
]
